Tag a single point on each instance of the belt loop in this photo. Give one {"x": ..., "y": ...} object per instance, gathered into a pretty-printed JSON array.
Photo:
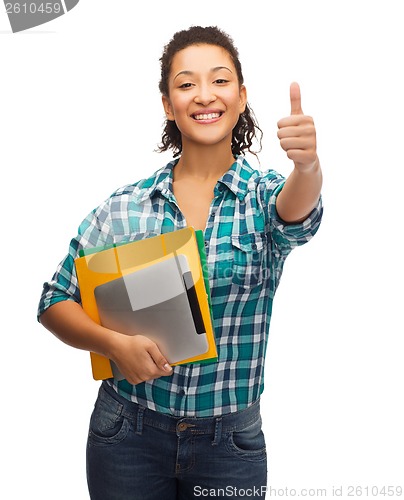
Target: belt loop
[
  {"x": 218, "y": 432},
  {"x": 139, "y": 420}
]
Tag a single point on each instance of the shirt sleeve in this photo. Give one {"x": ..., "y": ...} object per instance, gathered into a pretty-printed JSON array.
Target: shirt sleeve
[
  {"x": 286, "y": 236},
  {"x": 94, "y": 231}
]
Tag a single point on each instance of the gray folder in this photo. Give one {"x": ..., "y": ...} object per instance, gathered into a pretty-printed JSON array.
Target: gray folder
[{"x": 158, "y": 302}]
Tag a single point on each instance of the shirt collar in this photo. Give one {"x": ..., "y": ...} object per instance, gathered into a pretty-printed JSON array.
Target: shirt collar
[
  {"x": 162, "y": 181},
  {"x": 236, "y": 179}
]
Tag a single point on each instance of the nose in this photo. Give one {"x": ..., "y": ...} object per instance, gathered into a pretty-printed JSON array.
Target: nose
[{"x": 205, "y": 96}]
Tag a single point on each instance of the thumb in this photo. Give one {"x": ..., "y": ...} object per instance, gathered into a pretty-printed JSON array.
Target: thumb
[
  {"x": 295, "y": 100},
  {"x": 158, "y": 358}
]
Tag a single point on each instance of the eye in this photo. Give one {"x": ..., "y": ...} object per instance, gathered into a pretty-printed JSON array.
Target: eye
[
  {"x": 186, "y": 85},
  {"x": 221, "y": 81}
]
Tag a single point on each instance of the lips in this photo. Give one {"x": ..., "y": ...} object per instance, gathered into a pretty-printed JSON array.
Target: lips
[{"x": 207, "y": 115}]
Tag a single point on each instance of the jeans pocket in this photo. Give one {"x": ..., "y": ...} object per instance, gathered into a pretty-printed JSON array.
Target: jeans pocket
[
  {"x": 248, "y": 443},
  {"x": 248, "y": 252},
  {"x": 107, "y": 424}
]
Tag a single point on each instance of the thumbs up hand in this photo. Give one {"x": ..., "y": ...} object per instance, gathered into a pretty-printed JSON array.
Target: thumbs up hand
[{"x": 297, "y": 133}]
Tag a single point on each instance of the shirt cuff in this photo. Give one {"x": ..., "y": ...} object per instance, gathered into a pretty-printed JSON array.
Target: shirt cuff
[{"x": 289, "y": 235}]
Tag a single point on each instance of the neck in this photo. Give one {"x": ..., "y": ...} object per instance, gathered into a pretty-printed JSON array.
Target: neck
[{"x": 203, "y": 163}]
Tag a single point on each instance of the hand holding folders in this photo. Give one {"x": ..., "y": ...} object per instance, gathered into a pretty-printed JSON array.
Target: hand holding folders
[
  {"x": 155, "y": 288},
  {"x": 137, "y": 358}
]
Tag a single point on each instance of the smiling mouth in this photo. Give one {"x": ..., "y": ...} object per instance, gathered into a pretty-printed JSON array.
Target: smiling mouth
[{"x": 206, "y": 116}]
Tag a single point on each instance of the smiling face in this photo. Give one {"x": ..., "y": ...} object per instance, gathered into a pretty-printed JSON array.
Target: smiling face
[{"x": 205, "y": 97}]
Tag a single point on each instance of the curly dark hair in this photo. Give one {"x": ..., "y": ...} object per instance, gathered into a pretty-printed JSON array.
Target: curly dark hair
[{"x": 247, "y": 126}]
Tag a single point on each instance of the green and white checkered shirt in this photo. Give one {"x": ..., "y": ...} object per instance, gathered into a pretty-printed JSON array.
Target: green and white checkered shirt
[{"x": 246, "y": 246}]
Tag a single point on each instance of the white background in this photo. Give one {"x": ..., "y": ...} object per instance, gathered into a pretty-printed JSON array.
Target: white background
[{"x": 80, "y": 115}]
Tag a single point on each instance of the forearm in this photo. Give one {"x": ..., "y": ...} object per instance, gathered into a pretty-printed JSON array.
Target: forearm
[
  {"x": 137, "y": 357},
  {"x": 300, "y": 194},
  {"x": 70, "y": 324}
]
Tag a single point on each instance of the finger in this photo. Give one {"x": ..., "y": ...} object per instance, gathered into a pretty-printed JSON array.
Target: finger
[
  {"x": 293, "y": 143},
  {"x": 301, "y": 156},
  {"x": 305, "y": 131},
  {"x": 295, "y": 121},
  {"x": 295, "y": 99}
]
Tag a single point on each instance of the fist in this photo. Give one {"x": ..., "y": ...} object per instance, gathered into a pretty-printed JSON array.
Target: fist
[{"x": 297, "y": 133}]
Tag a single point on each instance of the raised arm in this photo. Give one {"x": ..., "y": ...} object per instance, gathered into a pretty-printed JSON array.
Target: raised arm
[{"x": 297, "y": 135}]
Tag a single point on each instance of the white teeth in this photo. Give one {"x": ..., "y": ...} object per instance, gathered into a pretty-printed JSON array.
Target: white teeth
[{"x": 208, "y": 116}]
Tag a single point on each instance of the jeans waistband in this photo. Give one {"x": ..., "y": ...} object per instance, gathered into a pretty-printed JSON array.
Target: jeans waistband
[{"x": 228, "y": 422}]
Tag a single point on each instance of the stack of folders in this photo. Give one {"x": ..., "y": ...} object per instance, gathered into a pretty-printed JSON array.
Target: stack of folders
[{"x": 157, "y": 287}]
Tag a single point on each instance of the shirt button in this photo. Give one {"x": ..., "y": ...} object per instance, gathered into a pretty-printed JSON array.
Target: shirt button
[
  {"x": 206, "y": 243},
  {"x": 254, "y": 246}
]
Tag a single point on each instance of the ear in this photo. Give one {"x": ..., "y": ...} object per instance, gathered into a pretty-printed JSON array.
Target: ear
[
  {"x": 167, "y": 107},
  {"x": 243, "y": 98}
]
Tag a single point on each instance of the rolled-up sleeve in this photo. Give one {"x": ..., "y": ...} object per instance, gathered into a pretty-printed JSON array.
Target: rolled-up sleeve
[{"x": 286, "y": 236}]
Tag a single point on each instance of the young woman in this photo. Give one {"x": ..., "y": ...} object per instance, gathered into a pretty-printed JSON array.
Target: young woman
[{"x": 195, "y": 430}]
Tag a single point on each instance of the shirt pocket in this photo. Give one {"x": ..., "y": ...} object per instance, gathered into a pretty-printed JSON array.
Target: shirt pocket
[{"x": 248, "y": 256}]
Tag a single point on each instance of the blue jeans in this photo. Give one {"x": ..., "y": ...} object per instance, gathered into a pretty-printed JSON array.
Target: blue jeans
[{"x": 134, "y": 453}]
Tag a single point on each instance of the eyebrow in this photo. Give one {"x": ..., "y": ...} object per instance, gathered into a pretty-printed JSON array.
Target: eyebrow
[{"x": 213, "y": 70}]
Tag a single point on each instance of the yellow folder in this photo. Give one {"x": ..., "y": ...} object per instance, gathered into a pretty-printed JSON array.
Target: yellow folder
[{"x": 156, "y": 287}]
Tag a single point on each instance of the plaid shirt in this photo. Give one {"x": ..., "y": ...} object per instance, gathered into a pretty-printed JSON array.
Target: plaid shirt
[{"x": 246, "y": 246}]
